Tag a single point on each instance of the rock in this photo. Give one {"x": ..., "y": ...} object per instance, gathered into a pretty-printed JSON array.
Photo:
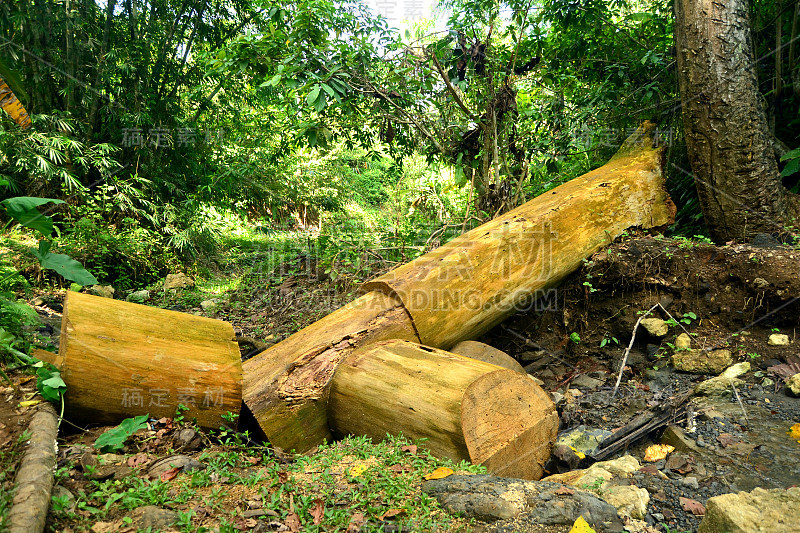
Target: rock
[
  {"x": 185, "y": 463},
  {"x": 536, "y": 380},
  {"x": 557, "y": 397},
  {"x": 767, "y": 511},
  {"x": 177, "y": 281},
  {"x": 603, "y": 470},
  {"x": 629, "y": 500},
  {"x": 760, "y": 283},
  {"x": 487, "y": 354},
  {"x": 765, "y": 240},
  {"x": 676, "y": 437},
  {"x": 691, "y": 481},
  {"x": 721, "y": 385},
  {"x": 153, "y": 517},
  {"x": 106, "y": 291},
  {"x": 793, "y": 385},
  {"x": 683, "y": 342},
  {"x": 138, "y": 296},
  {"x": 582, "y": 439},
  {"x": 586, "y": 382},
  {"x": 189, "y": 440},
  {"x": 101, "y": 472},
  {"x": 655, "y": 327},
  {"x": 110, "y": 458},
  {"x": 494, "y": 498},
  {"x": 65, "y": 499},
  {"x": 652, "y": 349},
  {"x": 778, "y": 339},
  {"x": 209, "y": 305},
  {"x": 701, "y": 361}
]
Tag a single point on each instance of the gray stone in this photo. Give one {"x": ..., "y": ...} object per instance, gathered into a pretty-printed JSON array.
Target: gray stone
[
  {"x": 586, "y": 382},
  {"x": 188, "y": 440},
  {"x": 106, "y": 291},
  {"x": 760, "y": 283},
  {"x": 759, "y": 511},
  {"x": 629, "y": 500},
  {"x": 138, "y": 296},
  {"x": 778, "y": 339},
  {"x": 153, "y": 517},
  {"x": 677, "y": 438},
  {"x": 583, "y": 439},
  {"x": 209, "y": 305},
  {"x": 66, "y": 500},
  {"x": 701, "y": 361},
  {"x": 723, "y": 384},
  {"x": 683, "y": 342},
  {"x": 691, "y": 481},
  {"x": 495, "y": 498},
  {"x": 185, "y": 463},
  {"x": 655, "y": 327},
  {"x": 793, "y": 385},
  {"x": 177, "y": 281}
]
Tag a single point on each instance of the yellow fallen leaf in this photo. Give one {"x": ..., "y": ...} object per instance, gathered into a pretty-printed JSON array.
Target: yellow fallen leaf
[
  {"x": 580, "y": 455},
  {"x": 30, "y": 403},
  {"x": 656, "y": 452},
  {"x": 439, "y": 473},
  {"x": 357, "y": 470},
  {"x": 581, "y": 526},
  {"x": 795, "y": 432}
]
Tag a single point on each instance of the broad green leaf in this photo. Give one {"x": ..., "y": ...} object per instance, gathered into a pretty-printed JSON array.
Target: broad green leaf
[
  {"x": 794, "y": 154},
  {"x": 328, "y": 89},
  {"x": 791, "y": 167},
  {"x": 114, "y": 439},
  {"x": 65, "y": 266},
  {"x": 23, "y": 210},
  {"x": 320, "y": 103},
  {"x": 313, "y": 95}
]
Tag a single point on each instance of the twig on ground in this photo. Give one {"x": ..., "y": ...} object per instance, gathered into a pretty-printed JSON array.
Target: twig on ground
[
  {"x": 740, "y": 401},
  {"x": 628, "y": 349}
]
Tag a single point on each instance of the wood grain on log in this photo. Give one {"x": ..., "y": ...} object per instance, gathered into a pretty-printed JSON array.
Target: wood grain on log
[
  {"x": 121, "y": 359},
  {"x": 467, "y": 410}
]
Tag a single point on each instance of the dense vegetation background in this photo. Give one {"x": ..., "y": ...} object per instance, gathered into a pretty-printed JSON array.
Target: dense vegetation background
[{"x": 174, "y": 128}]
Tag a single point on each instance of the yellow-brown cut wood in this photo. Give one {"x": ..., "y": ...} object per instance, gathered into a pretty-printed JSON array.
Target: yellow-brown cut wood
[
  {"x": 488, "y": 354},
  {"x": 12, "y": 106},
  {"x": 468, "y": 410},
  {"x": 286, "y": 386},
  {"x": 467, "y": 286},
  {"x": 459, "y": 291},
  {"x": 121, "y": 359}
]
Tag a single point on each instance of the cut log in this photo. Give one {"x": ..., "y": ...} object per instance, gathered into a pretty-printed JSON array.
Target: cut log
[
  {"x": 121, "y": 359},
  {"x": 468, "y": 410},
  {"x": 460, "y": 290},
  {"x": 286, "y": 386},
  {"x": 475, "y": 281},
  {"x": 488, "y": 354}
]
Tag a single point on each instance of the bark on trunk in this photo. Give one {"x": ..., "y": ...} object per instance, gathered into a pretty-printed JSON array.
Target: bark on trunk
[
  {"x": 120, "y": 359},
  {"x": 467, "y": 410},
  {"x": 727, "y": 135}
]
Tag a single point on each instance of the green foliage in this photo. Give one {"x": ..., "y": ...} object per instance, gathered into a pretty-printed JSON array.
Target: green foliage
[
  {"x": 114, "y": 439},
  {"x": 575, "y": 337},
  {"x": 49, "y": 382}
]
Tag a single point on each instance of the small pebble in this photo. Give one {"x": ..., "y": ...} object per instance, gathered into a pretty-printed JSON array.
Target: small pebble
[
  {"x": 691, "y": 482},
  {"x": 658, "y": 516},
  {"x": 701, "y": 442}
]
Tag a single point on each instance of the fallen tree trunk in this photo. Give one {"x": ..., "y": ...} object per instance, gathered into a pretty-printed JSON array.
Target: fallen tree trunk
[
  {"x": 141, "y": 359},
  {"x": 286, "y": 386},
  {"x": 468, "y": 410},
  {"x": 475, "y": 281},
  {"x": 462, "y": 289}
]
